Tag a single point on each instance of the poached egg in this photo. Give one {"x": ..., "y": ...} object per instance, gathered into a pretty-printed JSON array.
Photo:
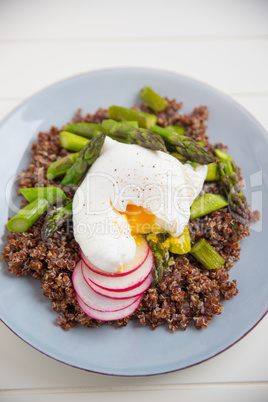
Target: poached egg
[{"x": 129, "y": 191}]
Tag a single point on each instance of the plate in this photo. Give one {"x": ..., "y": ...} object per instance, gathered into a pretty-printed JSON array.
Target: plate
[{"x": 136, "y": 350}]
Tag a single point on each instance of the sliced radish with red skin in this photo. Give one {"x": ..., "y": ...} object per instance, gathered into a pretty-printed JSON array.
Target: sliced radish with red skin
[
  {"x": 126, "y": 282},
  {"x": 109, "y": 316},
  {"x": 95, "y": 300},
  {"x": 142, "y": 251},
  {"x": 123, "y": 294}
]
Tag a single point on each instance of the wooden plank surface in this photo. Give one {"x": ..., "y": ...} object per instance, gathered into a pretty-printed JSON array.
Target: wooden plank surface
[
  {"x": 74, "y": 20},
  {"x": 222, "y": 43},
  {"x": 224, "y": 64}
]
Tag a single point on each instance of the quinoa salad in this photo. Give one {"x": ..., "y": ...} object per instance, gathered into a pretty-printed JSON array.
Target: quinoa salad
[{"x": 185, "y": 292}]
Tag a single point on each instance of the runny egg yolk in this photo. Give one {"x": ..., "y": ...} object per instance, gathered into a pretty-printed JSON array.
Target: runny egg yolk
[{"x": 140, "y": 220}]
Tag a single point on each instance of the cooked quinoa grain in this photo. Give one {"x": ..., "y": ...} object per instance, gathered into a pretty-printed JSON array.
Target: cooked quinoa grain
[{"x": 187, "y": 294}]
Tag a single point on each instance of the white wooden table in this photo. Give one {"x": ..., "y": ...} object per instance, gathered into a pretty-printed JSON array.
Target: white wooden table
[{"x": 224, "y": 44}]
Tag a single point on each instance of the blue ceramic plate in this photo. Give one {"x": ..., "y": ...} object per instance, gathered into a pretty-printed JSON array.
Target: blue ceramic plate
[{"x": 136, "y": 350}]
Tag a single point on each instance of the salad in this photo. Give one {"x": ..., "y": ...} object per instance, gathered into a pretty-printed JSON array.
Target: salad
[{"x": 131, "y": 213}]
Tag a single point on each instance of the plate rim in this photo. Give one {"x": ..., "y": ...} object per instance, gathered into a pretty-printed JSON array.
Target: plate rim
[{"x": 137, "y": 375}]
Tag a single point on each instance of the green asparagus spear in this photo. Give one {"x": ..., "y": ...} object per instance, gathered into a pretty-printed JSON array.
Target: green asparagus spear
[
  {"x": 203, "y": 252},
  {"x": 55, "y": 219},
  {"x": 85, "y": 159},
  {"x": 180, "y": 158},
  {"x": 170, "y": 137},
  {"x": 72, "y": 142},
  {"x": 119, "y": 113},
  {"x": 61, "y": 166},
  {"x": 152, "y": 99},
  {"x": 206, "y": 204},
  {"x": 161, "y": 257},
  {"x": 108, "y": 124},
  {"x": 213, "y": 173},
  {"x": 54, "y": 195},
  {"x": 132, "y": 123},
  {"x": 139, "y": 136},
  {"x": 122, "y": 133},
  {"x": 178, "y": 129},
  {"x": 222, "y": 155},
  {"x": 238, "y": 205},
  {"x": 28, "y": 215},
  {"x": 90, "y": 130},
  {"x": 87, "y": 130},
  {"x": 184, "y": 145}
]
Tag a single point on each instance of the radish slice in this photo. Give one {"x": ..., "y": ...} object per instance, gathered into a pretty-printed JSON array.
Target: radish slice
[
  {"x": 123, "y": 294},
  {"x": 122, "y": 283},
  {"x": 93, "y": 299},
  {"x": 142, "y": 251},
  {"x": 109, "y": 316}
]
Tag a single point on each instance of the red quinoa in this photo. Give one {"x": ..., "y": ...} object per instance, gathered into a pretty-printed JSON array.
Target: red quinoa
[{"x": 187, "y": 293}]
